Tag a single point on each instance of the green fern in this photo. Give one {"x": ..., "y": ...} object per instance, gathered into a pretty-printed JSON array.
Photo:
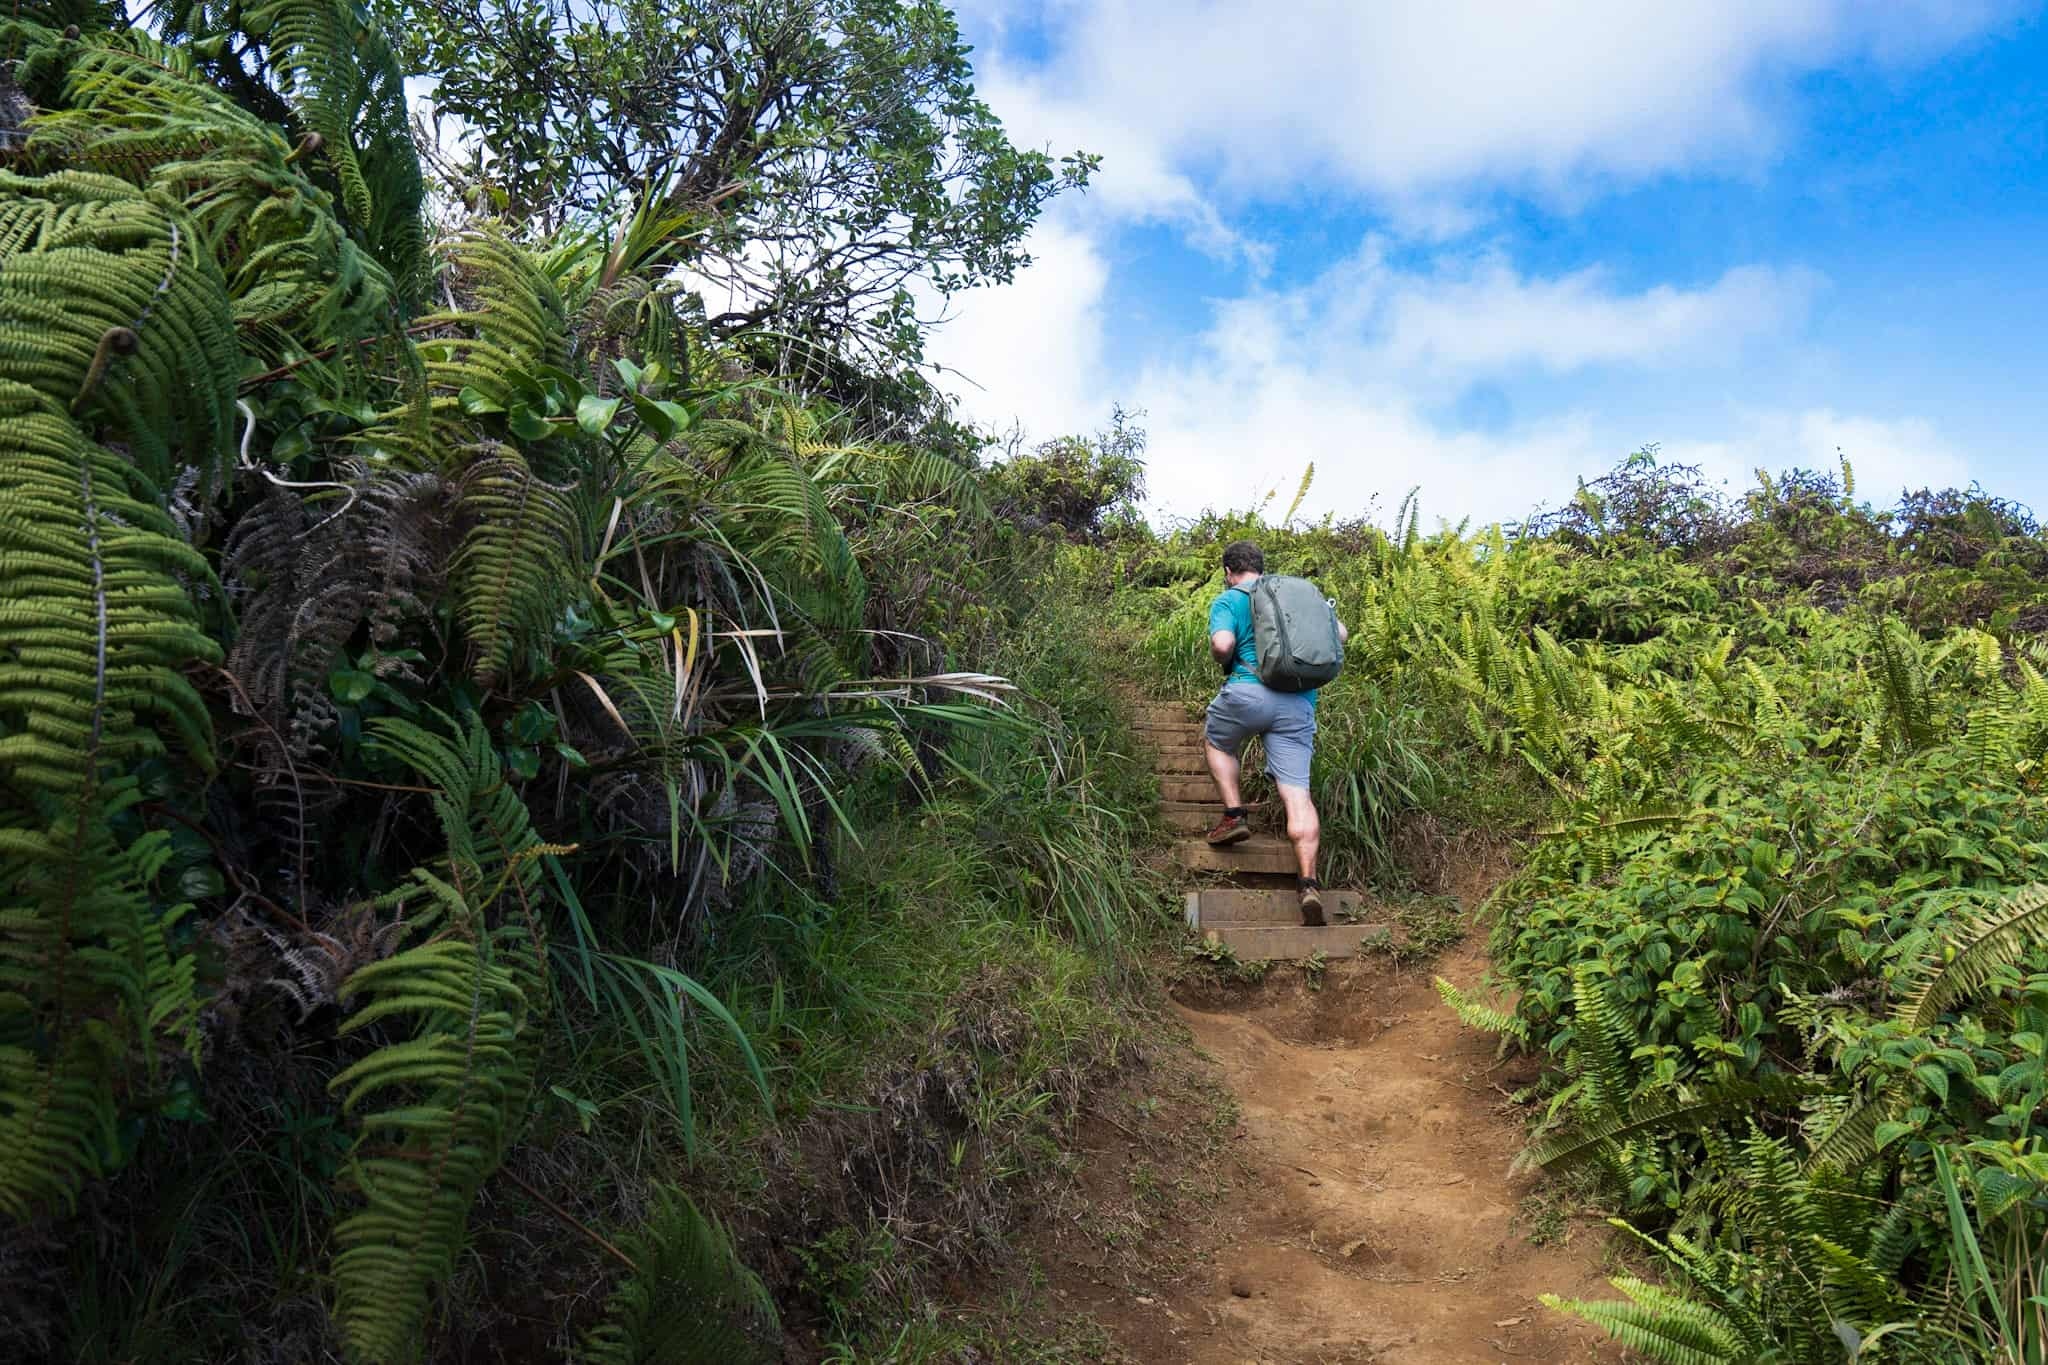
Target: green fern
[
  {"x": 435, "y": 1113},
  {"x": 1482, "y": 1016},
  {"x": 688, "y": 1296},
  {"x": 112, "y": 308},
  {"x": 337, "y": 71},
  {"x": 140, "y": 109},
  {"x": 1661, "y": 1325},
  {"x": 87, "y": 972},
  {"x": 521, "y": 555},
  {"x": 1673, "y": 1114}
]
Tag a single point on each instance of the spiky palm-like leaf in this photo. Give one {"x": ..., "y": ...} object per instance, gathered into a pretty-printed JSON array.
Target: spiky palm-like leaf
[{"x": 689, "y": 1297}]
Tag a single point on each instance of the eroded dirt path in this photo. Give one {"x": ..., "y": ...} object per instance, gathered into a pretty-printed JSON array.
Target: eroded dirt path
[{"x": 1379, "y": 1220}]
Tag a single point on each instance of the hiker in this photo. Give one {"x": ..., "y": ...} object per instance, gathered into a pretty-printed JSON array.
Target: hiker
[{"x": 1245, "y": 706}]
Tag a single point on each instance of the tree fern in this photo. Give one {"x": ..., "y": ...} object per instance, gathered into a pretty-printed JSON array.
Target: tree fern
[
  {"x": 141, "y": 109},
  {"x": 113, "y": 310},
  {"x": 339, "y": 80},
  {"x": 688, "y": 1297},
  {"x": 1603, "y": 1039},
  {"x": 1982, "y": 946}
]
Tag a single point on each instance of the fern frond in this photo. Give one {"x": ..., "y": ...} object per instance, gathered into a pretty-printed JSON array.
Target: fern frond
[
  {"x": 112, "y": 309},
  {"x": 1659, "y": 1324},
  {"x": 689, "y": 1296},
  {"x": 1477, "y": 1014},
  {"x": 346, "y": 85},
  {"x": 1668, "y": 1115},
  {"x": 448, "y": 1101},
  {"x": 1987, "y": 943},
  {"x": 1603, "y": 1039},
  {"x": 492, "y": 846},
  {"x": 520, "y": 558},
  {"x": 86, "y": 972}
]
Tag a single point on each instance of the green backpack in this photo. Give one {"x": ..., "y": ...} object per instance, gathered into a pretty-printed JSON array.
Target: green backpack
[{"x": 1295, "y": 630}]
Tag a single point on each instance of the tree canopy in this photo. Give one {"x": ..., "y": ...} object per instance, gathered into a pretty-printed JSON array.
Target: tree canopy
[{"x": 826, "y": 157}]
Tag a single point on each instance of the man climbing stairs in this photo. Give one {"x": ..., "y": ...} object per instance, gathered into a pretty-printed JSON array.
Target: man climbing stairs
[{"x": 1248, "y": 901}]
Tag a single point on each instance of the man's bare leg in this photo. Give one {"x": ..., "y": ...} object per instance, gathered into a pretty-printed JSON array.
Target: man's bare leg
[
  {"x": 1224, "y": 768},
  {"x": 1304, "y": 828}
]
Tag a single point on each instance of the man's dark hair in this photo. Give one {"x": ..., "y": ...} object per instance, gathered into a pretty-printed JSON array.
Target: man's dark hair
[{"x": 1241, "y": 556}]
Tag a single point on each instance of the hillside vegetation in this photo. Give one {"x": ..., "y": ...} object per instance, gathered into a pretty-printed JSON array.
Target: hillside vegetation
[
  {"x": 555, "y": 804},
  {"x": 529, "y": 825},
  {"x": 1780, "y": 933}
]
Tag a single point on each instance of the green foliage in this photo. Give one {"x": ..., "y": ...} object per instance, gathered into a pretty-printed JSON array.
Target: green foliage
[
  {"x": 688, "y": 1297},
  {"x": 1780, "y": 762},
  {"x": 400, "y": 711},
  {"x": 450, "y": 1095},
  {"x": 845, "y": 138},
  {"x": 1081, "y": 486}
]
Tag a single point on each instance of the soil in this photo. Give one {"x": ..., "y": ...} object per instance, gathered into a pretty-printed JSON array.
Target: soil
[{"x": 1327, "y": 1181}]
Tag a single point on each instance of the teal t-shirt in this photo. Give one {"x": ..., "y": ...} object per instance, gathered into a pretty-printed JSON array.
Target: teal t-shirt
[{"x": 1232, "y": 611}]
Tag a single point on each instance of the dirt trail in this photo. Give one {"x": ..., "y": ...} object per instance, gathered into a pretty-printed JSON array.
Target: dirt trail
[
  {"x": 1362, "y": 1209},
  {"x": 1379, "y": 1217}
]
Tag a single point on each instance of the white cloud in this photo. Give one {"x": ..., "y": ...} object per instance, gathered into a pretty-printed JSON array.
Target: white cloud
[
  {"x": 1413, "y": 103},
  {"x": 1467, "y": 317},
  {"x": 1888, "y": 456},
  {"x": 1420, "y": 112},
  {"x": 1346, "y": 372},
  {"x": 1032, "y": 351}
]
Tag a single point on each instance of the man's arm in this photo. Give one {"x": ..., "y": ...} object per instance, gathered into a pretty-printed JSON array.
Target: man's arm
[{"x": 1223, "y": 644}]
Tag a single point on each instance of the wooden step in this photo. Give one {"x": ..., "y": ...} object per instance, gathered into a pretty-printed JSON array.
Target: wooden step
[
  {"x": 1190, "y": 788},
  {"x": 1180, "y": 761},
  {"x": 1186, "y": 736},
  {"x": 1199, "y": 817},
  {"x": 1287, "y": 943},
  {"x": 1256, "y": 854},
  {"x": 1214, "y": 907},
  {"x": 1162, "y": 713}
]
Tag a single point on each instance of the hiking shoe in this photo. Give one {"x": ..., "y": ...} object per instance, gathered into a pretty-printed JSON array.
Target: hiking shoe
[
  {"x": 1231, "y": 829},
  {"x": 1312, "y": 906}
]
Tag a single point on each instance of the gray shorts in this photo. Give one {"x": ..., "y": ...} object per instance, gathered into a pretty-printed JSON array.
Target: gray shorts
[{"x": 1287, "y": 720}]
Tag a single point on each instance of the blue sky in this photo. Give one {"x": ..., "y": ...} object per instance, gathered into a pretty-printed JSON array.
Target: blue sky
[{"x": 1485, "y": 248}]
